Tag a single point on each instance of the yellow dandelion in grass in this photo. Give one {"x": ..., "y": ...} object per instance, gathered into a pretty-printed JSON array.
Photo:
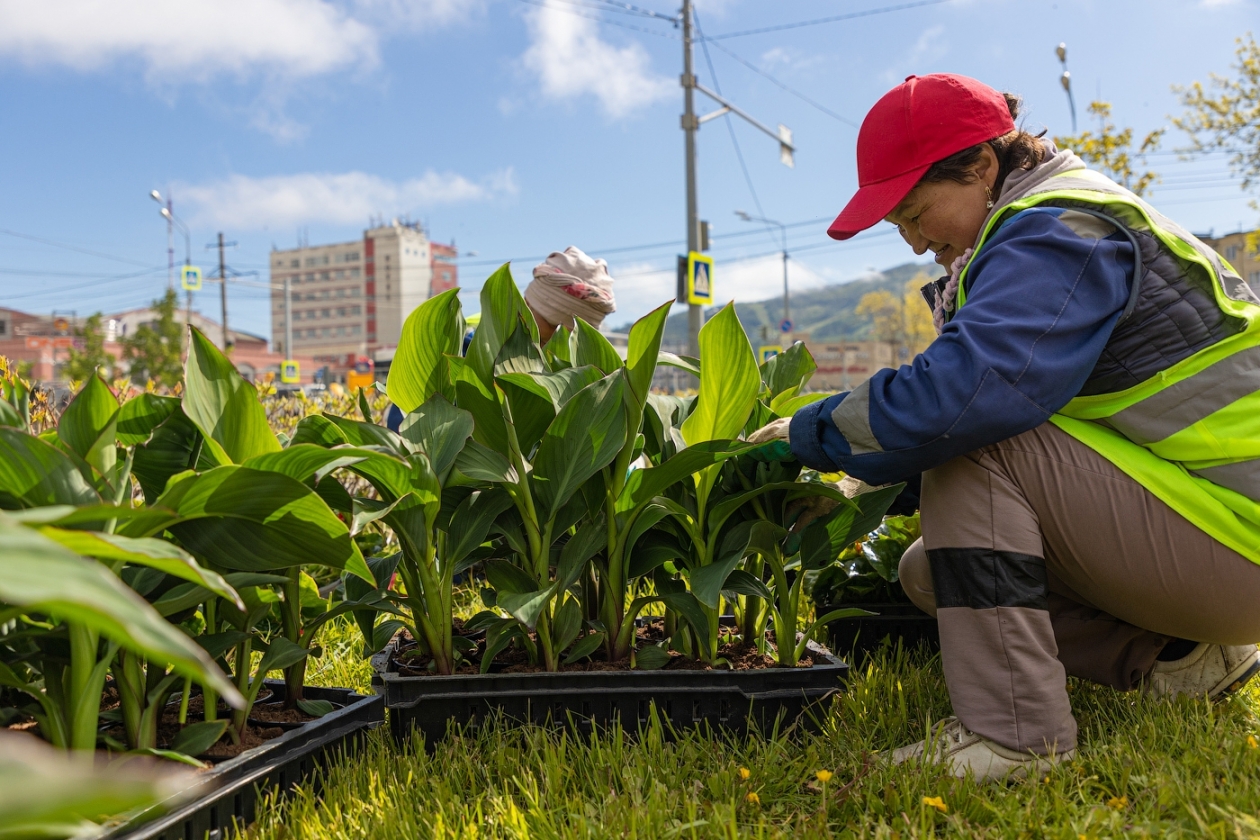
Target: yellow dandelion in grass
[
  {"x": 753, "y": 798},
  {"x": 745, "y": 773},
  {"x": 937, "y": 803},
  {"x": 1251, "y": 742},
  {"x": 823, "y": 776},
  {"x": 1118, "y": 802}
]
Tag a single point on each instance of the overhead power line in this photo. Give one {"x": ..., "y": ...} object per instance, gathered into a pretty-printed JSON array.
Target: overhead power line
[
  {"x": 779, "y": 84},
  {"x": 80, "y": 250},
  {"x": 576, "y": 12},
  {"x": 833, "y": 19}
]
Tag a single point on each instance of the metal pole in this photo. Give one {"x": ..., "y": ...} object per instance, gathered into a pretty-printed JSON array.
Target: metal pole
[
  {"x": 288, "y": 318},
  {"x": 787, "y": 311},
  {"x": 170, "y": 244},
  {"x": 695, "y": 312},
  {"x": 223, "y": 291}
]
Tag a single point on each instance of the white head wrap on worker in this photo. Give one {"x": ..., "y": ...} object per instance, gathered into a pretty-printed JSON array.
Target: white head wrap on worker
[{"x": 568, "y": 284}]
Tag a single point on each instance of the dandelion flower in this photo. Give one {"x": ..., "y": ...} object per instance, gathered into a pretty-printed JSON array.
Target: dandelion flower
[
  {"x": 744, "y": 773},
  {"x": 1251, "y": 742},
  {"x": 1118, "y": 802},
  {"x": 937, "y": 803},
  {"x": 823, "y": 776},
  {"x": 753, "y": 798}
]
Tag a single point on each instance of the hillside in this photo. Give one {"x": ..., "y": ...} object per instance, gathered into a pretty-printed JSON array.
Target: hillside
[{"x": 824, "y": 313}]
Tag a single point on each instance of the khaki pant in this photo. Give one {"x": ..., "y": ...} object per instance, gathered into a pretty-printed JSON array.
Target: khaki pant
[{"x": 1046, "y": 560}]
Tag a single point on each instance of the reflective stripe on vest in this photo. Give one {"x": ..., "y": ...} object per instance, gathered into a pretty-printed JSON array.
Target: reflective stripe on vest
[{"x": 1191, "y": 433}]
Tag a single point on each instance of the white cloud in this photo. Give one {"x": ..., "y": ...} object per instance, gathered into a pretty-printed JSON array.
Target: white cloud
[
  {"x": 242, "y": 202},
  {"x": 188, "y": 40},
  {"x": 640, "y": 287},
  {"x": 390, "y": 15},
  {"x": 929, "y": 47},
  {"x": 571, "y": 60}
]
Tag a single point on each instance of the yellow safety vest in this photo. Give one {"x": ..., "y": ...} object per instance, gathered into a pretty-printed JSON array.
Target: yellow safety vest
[{"x": 1191, "y": 433}]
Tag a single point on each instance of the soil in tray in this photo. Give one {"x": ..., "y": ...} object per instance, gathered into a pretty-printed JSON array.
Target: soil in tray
[
  {"x": 740, "y": 657},
  {"x": 169, "y": 726}
]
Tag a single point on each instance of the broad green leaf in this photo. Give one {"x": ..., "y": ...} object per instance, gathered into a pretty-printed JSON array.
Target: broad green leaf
[
  {"x": 250, "y": 520},
  {"x": 87, "y": 426},
  {"x": 505, "y": 577},
  {"x": 318, "y": 430},
  {"x": 470, "y": 524},
  {"x": 519, "y": 354},
  {"x": 686, "y": 363},
  {"x": 196, "y": 738},
  {"x": 419, "y": 370},
  {"x": 824, "y": 539},
  {"x": 281, "y": 653},
  {"x": 9, "y": 416},
  {"x": 558, "y": 347},
  {"x": 150, "y": 552},
  {"x": 651, "y": 658},
  {"x": 85, "y": 517},
  {"x": 358, "y": 433},
  {"x": 222, "y": 404},
  {"x": 526, "y": 607},
  {"x": 589, "y": 539},
  {"x": 644, "y": 347},
  {"x": 482, "y": 463},
  {"x": 503, "y": 310},
  {"x": 729, "y": 382},
  {"x": 306, "y": 462},
  {"x": 42, "y": 576},
  {"x": 568, "y": 623},
  {"x": 591, "y": 348},
  {"x": 36, "y": 474},
  {"x": 792, "y": 404},
  {"x": 316, "y": 708},
  {"x": 482, "y": 401},
  {"x": 643, "y": 485},
  {"x": 789, "y": 371},
  {"x": 140, "y": 415},
  {"x": 742, "y": 583},
  {"x": 559, "y": 387},
  {"x": 584, "y": 647},
  {"x": 585, "y": 436},
  {"x": 439, "y": 430},
  {"x": 707, "y": 582},
  {"x": 175, "y": 445}
]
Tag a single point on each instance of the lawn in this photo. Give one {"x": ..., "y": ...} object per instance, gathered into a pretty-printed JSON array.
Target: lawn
[{"x": 1146, "y": 769}]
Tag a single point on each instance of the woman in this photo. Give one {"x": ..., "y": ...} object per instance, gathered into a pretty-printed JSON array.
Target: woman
[
  {"x": 1087, "y": 428},
  {"x": 566, "y": 285}
]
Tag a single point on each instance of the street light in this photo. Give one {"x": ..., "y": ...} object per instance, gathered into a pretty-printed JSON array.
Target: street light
[
  {"x": 1066, "y": 80},
  {"x": 787, "y": 312},
  {"x": 171, "y": 223}
]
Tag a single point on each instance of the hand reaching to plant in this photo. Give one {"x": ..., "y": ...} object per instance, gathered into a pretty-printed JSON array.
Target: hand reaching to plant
[
  {"x": 804, "y": 511},
  {"x": 773, "y": 438}
]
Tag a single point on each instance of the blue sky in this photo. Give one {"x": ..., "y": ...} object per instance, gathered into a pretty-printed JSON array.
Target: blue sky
[{"x": 515, "y": 127}]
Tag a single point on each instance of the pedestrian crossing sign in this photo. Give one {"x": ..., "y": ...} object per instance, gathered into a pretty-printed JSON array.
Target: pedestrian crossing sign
[
  {"x": 190, "y": 278},
  {"x": 699, "y": 279},
  {"x": 766, "y": 352},
  {"x": 290, "y": 372}
]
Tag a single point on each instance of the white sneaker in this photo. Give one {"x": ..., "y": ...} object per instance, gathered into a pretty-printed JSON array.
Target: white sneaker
[
  {"x": 966, "y": 752},
  {"x": 1211, "y": 671}
]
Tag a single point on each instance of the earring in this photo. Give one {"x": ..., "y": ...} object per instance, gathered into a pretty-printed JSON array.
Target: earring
[{"x": 988, "y": 194}]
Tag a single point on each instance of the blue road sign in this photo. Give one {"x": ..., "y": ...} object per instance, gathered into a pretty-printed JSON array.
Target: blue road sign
[{"x": 785, "y": 325}]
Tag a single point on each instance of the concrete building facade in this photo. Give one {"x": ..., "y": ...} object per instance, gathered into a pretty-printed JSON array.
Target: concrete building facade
[
  {"x": 1233, "y": 247},
  {"x": 843, "y": 365},
  {"x": 350, "y": 299}
]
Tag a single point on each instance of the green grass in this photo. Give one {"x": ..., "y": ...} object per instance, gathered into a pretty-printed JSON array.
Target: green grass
[{"x": 1146, "y": 769}]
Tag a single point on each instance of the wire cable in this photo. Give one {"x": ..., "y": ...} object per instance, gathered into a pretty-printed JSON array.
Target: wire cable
[
  {"x": 780, "y": 84},
  {"x": 87, "y": 251},
  {"x": 546, "y": 4},
  {"x": 833, "y": 19}
]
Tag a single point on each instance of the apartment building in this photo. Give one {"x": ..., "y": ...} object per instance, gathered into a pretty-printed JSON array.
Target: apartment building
[
  {"x": 1233, "y": 247},
  {"x": 351, "y": 298}
]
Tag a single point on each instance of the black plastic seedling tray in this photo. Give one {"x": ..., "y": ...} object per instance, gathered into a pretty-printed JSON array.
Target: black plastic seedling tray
[
  {"x": 855, "y": 638},
  {"x": 229, "y": 794},
  {"x": 587, "y": 700}
]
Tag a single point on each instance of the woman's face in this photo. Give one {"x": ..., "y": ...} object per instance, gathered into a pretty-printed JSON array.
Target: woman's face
[{"x": 945, "y": 217}]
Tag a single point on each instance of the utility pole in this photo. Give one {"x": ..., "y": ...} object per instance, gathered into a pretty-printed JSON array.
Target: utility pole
[
  {"x": 695, "y": 312},
  {"x": 223, "y": 291},
  {"x": 690, "y": 124}
]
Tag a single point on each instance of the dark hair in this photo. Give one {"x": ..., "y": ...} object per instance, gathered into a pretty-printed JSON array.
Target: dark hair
[{"x": 1015, "y": 150}]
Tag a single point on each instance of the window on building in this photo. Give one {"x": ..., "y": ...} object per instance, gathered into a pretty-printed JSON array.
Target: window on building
[
  {"x": 352, "y": 256},
  {"x": 339, "y": 273},
  {"x": 310, "y": 261},
  {"x": 323, "y": 260},
  {"x": 1231, "y": 253},
  {"x": 354, "y": 310},
  {"x": 1254, "y": 278},
  {"x": 341, "y": 330},
  {"x": 354, "y": 272},
  {"x": 326, "y": 331},
  {"x": 323, "y": 275},
  {"x": 354, "y": 329},
  {"x": 323, "y": 313},
  {"x": 4, "y": 327},
  {"x": 310, "y": 278},
  {"x": 295, "y": 263},
  {"x": 323, "y": 294},
  {"x": 354, "y": 292},
  {"x": 340, "y": 293}
]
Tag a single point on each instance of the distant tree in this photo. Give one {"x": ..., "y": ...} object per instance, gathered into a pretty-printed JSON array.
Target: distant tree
[
  {"x": 1111, "y": 149},
  {"x": 82, "y": 363},
  {"x": 155, "y": 351},
  {"x": 1225, "y": 116},
  {"x": 904, "y": 321}
]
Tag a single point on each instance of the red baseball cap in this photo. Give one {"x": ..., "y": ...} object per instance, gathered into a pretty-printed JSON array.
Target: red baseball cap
[{"x": 920, "y": 121}]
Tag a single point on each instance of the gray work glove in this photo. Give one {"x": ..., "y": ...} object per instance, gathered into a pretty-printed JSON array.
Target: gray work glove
[{"x": 773, "y": 438}]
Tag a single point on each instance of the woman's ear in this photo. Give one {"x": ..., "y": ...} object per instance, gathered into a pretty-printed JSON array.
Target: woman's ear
[{"x": 986, "y": 168}]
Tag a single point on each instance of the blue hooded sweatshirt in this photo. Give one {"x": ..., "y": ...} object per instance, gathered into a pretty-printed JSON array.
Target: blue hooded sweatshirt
[{"x": 1042, "y": 300}]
